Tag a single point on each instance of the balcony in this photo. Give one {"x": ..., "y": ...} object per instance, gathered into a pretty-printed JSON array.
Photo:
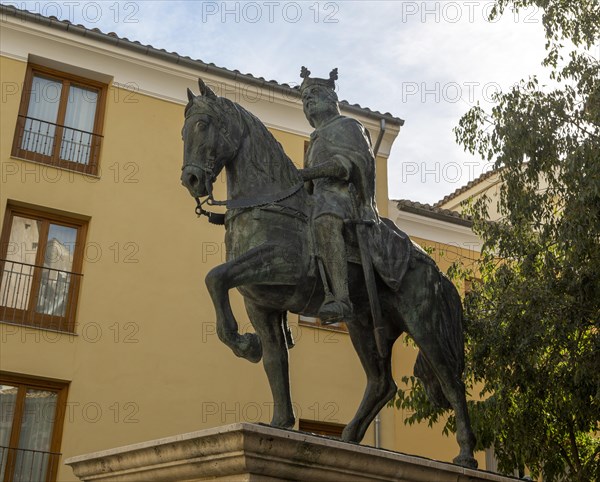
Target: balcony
[
  {"x": 25, "y": 465},
  {"x": 36, "y": 140},
  {"x": 38, "y": 296}
]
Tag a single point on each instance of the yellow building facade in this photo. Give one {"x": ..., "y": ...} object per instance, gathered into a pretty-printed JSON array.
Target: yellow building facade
[{"x": 107, "y": 332}]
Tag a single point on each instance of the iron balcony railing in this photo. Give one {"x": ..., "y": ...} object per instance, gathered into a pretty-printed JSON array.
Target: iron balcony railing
[
  {"x": 25, "y": 465},
  {"x": 57, "y": 145},
  {"x": 38, "y": 296}
]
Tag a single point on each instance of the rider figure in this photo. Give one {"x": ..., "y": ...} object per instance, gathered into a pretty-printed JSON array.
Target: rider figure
[{"x": 339, "y": 153}]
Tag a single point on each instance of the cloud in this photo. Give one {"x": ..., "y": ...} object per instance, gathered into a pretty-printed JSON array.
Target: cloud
[{"x": 425, "y": 61}]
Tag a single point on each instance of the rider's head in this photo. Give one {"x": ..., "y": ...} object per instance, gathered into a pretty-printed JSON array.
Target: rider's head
[{"x": 319, "y": 100}]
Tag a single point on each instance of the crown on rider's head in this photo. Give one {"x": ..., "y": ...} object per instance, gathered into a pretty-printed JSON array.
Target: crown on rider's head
[{"x": 308, "y": 81}]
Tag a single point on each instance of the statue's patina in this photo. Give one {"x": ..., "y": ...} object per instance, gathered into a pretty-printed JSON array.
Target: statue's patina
[{"x": 320, "y": 251}]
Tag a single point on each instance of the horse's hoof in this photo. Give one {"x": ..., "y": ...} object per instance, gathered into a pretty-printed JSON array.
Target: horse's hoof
[
  {"x": 349, "y": 434},
  {"x": 466, "y": 461},
  {"x": 284, "y": 423},
  {"x": 249, "y": 347}
]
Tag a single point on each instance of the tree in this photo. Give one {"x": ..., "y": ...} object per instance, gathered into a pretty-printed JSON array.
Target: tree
[{"x": 531, "y": 322}]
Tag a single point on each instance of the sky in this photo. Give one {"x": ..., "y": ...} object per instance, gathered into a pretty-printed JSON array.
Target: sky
[{"x": 426, "y": 62}]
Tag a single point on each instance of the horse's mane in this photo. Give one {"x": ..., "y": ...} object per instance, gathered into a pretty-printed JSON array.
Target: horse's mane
[
  {"x": 265, "y": 163},
  {"x": 267, "y": 155}
]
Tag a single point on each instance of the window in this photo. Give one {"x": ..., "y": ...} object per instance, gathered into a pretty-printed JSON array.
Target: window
[
  {"x": 40, "y": 268},
  {"x": 328, "y": 429},
  {"x": 60, "y": 120},
  {"x": 31, "y": 419},
  {"x": 317, "y": 323}
]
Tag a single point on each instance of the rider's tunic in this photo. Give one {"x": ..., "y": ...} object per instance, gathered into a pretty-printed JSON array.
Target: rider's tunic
[{"x": 345, "y": 141}]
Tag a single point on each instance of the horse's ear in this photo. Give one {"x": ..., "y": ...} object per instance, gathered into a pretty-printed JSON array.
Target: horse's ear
[
  {"x": 205, "y": 89},
  {"x": 191, "y": 95}
]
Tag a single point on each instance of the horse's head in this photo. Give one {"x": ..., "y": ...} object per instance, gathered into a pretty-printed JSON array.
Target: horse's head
[{"x": 210, "y": 138}]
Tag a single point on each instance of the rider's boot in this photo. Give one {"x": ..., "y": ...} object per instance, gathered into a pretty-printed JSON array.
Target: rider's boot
[{"x": 333, "y": 255}]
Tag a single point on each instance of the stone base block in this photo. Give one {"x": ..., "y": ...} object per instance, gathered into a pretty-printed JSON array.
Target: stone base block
[{"x": 245, "y": 452}]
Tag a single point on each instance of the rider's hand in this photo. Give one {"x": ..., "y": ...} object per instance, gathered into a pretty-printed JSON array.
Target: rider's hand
[{"x": 305, "y": 175}]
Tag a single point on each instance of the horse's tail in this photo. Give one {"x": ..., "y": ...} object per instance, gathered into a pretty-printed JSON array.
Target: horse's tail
[{"x": 451, "y": 341}]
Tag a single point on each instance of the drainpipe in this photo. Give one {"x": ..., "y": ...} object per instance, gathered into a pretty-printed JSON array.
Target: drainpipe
[
  {"x": 379, "y": 137},
  {"x": 378, "y": 416},
  {"x": 378, "y": 431}
]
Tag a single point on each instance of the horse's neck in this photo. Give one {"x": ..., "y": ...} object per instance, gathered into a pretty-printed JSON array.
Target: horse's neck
[{"x": 260, "y": 168}]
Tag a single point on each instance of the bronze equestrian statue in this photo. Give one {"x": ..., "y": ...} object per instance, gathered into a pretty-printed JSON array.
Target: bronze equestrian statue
[{"x": 311, "y": 242}]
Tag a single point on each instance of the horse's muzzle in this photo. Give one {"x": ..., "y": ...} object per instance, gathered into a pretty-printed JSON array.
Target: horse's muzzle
[{"x": 193, "y": 179}]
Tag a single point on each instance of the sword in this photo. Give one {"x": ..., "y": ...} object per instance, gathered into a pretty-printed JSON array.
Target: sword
[{"x": 383, "y": 348}]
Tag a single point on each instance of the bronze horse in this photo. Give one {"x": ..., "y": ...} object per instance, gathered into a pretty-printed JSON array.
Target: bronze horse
[{"x": 270, "y": 261}]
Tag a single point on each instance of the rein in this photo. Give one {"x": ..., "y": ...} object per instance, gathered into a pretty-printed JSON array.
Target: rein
[
  {"x": 244, "y": 203},
  {"x": 213, "y": 218}
]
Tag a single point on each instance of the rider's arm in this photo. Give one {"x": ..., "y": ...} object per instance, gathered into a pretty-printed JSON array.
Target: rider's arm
[{"x": 335, "y": 169}]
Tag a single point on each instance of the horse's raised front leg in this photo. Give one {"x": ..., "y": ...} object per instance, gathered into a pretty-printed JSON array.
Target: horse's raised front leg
[
  {"x": 268, "y": 324},
  {"x": 257, "y": 266}
]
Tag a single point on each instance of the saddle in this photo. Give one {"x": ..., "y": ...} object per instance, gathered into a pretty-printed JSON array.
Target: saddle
[{"x": 390, "y": 250}]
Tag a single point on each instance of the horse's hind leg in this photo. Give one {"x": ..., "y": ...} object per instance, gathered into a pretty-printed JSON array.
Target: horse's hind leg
[
  {"x": 380, "y": 384},
  {"x": 454, "y": 390},
  {"x": 452, "y": 387},
  {"x": 268, "y": 324}
]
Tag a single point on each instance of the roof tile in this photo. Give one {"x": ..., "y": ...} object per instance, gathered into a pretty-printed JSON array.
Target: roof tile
[
  {"x": 433, "y": 212},
  {"x": 54, "y": 22},
  {"x": 466, "y": 187}
]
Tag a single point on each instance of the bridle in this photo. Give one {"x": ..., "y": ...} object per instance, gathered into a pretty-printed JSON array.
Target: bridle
[
  {"x": 211, "y": 171},
  {"x": 209, "y": 179},
  {"x": 214, "y": 166}
]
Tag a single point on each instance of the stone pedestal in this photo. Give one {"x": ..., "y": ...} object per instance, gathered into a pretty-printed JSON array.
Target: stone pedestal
[{"x": 245, "y": 452}]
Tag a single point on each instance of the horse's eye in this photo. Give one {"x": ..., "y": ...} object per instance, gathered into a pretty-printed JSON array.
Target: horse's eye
[{"x": 201, "y": 124}]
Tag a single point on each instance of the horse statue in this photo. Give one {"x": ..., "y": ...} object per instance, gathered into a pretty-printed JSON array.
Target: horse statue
[{"x": 271, "y": 261}]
